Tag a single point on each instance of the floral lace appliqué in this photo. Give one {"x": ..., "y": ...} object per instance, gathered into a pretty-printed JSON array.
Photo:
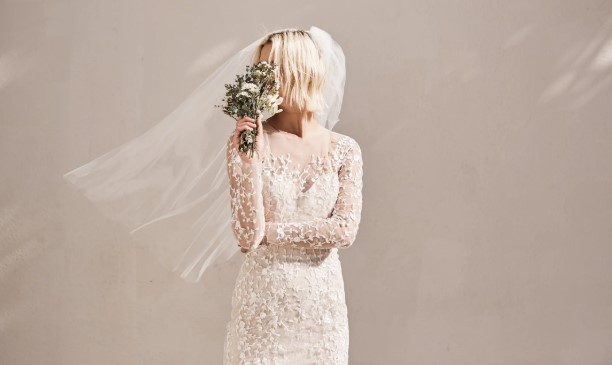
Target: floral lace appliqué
[{"x": 288, "y": 305}]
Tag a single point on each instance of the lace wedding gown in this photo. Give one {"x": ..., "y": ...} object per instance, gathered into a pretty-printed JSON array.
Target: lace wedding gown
[{"x": 288, "y": 303}]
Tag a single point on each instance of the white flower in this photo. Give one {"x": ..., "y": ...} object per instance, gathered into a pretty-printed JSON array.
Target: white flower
[{"x": 249, "y": 86}]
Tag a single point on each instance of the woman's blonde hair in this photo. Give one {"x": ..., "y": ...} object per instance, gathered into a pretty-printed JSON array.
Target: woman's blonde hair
[{"x": 301, "y": 71}]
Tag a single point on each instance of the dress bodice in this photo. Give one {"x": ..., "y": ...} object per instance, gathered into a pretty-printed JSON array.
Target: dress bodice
[
  {"x": 315, "y": 203},
  {"x": 300, "y": 191}
]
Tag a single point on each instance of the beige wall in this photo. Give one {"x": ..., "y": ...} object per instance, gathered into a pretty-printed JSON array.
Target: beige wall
[{"x": 486, "y": 129}]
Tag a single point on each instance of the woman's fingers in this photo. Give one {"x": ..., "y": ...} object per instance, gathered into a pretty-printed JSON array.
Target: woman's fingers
[
  {"x": 245, "y": 123},
  {"x": 243, "y": 127},
  {"x": 246, "y": 119}
]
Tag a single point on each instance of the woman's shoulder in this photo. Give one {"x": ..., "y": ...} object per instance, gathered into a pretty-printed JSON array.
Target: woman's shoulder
[
  {"x": 346, "y": 142},
  {"x": 347, "y": 149}
]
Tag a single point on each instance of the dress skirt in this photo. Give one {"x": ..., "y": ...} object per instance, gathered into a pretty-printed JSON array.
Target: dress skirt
[{"x": 288, "y": 307}]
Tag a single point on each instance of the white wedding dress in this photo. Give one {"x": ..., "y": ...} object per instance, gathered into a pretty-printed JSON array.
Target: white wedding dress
[{"x": 288, "y": 303}]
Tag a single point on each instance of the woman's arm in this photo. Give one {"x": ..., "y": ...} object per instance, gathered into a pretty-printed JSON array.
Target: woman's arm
[
  {"x": 245, "y": 186},
  {"x": 340, "y": 229}
]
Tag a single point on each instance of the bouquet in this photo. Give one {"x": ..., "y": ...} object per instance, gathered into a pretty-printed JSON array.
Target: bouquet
[{"x": 252, "y": 93}]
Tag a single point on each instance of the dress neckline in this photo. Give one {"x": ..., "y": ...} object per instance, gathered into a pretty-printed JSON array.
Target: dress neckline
[
  {"x": 314, "y": 163},
  {"x": 281, "y": 131}
]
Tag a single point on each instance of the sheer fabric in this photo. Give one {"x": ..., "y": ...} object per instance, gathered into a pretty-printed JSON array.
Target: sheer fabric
[
  {"x": 303, "y": 198},
  {"x": 167, "y": 186}
]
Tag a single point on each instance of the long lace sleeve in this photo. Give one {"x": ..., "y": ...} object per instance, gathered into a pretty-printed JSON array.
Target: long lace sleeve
[
  {"x": 341, "y": 228},
  {"x": 245, "y": 186}
]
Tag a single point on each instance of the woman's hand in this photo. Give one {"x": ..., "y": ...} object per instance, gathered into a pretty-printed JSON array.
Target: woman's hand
[{"x": 246, "y": 123}]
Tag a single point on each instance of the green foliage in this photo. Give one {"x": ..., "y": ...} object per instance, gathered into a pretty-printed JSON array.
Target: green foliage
[{"x": 251, "y": 94}]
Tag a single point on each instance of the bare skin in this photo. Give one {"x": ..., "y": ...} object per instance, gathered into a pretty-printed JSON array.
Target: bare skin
[{"x": 246, "y": 123}]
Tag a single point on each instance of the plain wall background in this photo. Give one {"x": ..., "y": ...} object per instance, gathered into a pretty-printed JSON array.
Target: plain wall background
[{"x": 486, "y": 131}]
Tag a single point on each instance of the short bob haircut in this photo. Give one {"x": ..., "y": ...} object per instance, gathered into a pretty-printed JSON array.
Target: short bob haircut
[{"x": 301, "y": 71}]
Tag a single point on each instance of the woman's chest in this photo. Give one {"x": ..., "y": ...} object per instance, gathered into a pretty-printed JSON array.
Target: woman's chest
[{"x": 300, "y": 191}]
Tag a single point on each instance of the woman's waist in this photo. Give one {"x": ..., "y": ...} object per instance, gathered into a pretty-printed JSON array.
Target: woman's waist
[{"x": 285, "y": 253}]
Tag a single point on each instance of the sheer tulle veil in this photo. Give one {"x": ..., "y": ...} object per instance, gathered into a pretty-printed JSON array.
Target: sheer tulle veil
[{"x": 169, "y": 187}]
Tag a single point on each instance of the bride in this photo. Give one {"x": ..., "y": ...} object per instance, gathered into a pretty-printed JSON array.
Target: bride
[
  {"x": 291, "y": 207},
  {"x": 294, "y": 204}
]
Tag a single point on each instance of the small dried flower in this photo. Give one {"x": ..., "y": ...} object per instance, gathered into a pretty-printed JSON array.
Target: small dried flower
[{"x": 252, "y": 93}]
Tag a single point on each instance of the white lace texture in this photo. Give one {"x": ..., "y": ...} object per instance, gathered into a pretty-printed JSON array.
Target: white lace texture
[
  {"x": 288, "y": 305},
  {"x": 299, "y": 211}
]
